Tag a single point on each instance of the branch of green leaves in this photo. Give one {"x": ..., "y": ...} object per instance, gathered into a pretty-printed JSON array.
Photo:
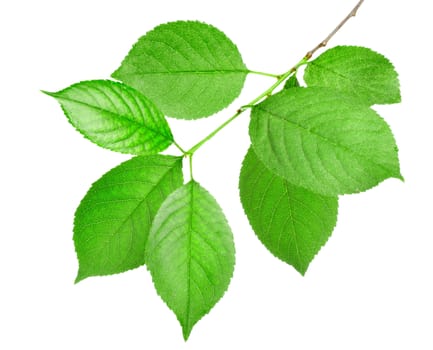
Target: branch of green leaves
[{"x": 315, "y": 139}]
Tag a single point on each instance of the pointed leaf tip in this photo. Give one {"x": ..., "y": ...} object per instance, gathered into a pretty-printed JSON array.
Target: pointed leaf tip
[
  {"x": 52, "y": 94},
  {"x": 79, "y": 278},
  {"x": 186, "y": 333}
]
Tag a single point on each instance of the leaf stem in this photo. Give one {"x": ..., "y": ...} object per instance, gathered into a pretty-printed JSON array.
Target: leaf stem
[
  {"x": 264, "y": 74},
  {"x": 270, "y": 90},
  {"x": 213, "y": 133},
  {"x": 190, "y": 166},
  {"x": 178, "y": 147}
]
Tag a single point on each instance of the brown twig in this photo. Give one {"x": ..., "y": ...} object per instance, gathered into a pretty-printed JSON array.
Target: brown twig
[
  {"x": 324, "y": 42},
  {"x": 280, "y": 80}
]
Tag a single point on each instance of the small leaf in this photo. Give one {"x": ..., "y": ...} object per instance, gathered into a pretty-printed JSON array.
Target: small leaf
[
  {"x": 190, "y": 254},
  {"x": 323, "y": 141},
  {"x": 115, "y": 116},
  {"x": 189, "y": 69},
  {"x": 356, "y": 70},
  {"x": 292, "y": 82},
  {"x": 113, "y": 220},
  {"x": 291, "y": 222}
]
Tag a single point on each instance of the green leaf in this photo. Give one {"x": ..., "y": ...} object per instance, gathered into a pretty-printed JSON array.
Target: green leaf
[
  {"x": 323, "y": 141},
  {"x": 292, "y": 82},
  {"x": 113, "y": 220},
  {"x": 115, "y": 116},
  {"x": 292, "y": 222},
  {"x": 357, "y": 70},
  {"x": 189, "y": 69},
  {"x": 190, "y": 254}
]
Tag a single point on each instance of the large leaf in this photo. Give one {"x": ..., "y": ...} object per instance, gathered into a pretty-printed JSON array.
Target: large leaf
[
  {"x": 113, "y": 220},
  {"x": 115, "y": 116},
  {"x": 190, "y": 254},
  {"x": 292, "y": 222},
  {"x": 357, "y": 70},
  {"x": 189, "y": 69},
  {"x": 323, "y": 141}
]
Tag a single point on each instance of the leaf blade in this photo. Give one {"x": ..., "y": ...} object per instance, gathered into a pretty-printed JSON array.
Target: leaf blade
[
  {"x": 291, "y": 222},
  {"x": 113, "y": 220},
  {"x": 190, "y": 254},
  {"x": 324, "y": 141},
  {"x": 190, "y": 69},
  {"x": 292, "y": 82},
  {"x": 115, "y": 116},
  {"x": 358, "y": 70}
]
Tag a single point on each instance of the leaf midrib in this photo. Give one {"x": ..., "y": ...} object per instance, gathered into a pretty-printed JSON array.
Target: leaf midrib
[
  {"x": 119, "y": 116},
  {"x": 204, "y": 72},
  {"x": 292, "y": 221},
  {"x": 190, "y": 231}
]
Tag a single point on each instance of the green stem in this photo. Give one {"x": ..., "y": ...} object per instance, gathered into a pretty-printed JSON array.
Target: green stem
[
  {"x": 178, "y": 147},
  {"x": 265, "y": 94},
  {"x": 264, "y": 74},
  {"x": 190, "y": 166},
  {"x": 213, "y": 133}
]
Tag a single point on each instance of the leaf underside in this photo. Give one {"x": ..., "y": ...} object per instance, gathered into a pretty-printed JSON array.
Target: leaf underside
[
  {"x": 324, "y": 141},
  {"x": 356, "y": 70},
  {"x": 190, "y": 253},
  {"x": 113, "y": 220},
  {"x": 189, "y": 69},
  {"x": 115, "y": 116},
  {"x": 291, "y": 222}
]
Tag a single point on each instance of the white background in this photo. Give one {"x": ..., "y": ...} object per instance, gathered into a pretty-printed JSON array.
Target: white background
[{"x": 370, "y": 287}]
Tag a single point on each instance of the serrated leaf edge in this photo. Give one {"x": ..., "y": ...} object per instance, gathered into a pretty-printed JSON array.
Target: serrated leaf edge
[
  {"x": 301, "y": 271},
  {"x": 245, "y": 72},
  {"x": 80, "y": 277},
  {"x": 397, "y": 77}
]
